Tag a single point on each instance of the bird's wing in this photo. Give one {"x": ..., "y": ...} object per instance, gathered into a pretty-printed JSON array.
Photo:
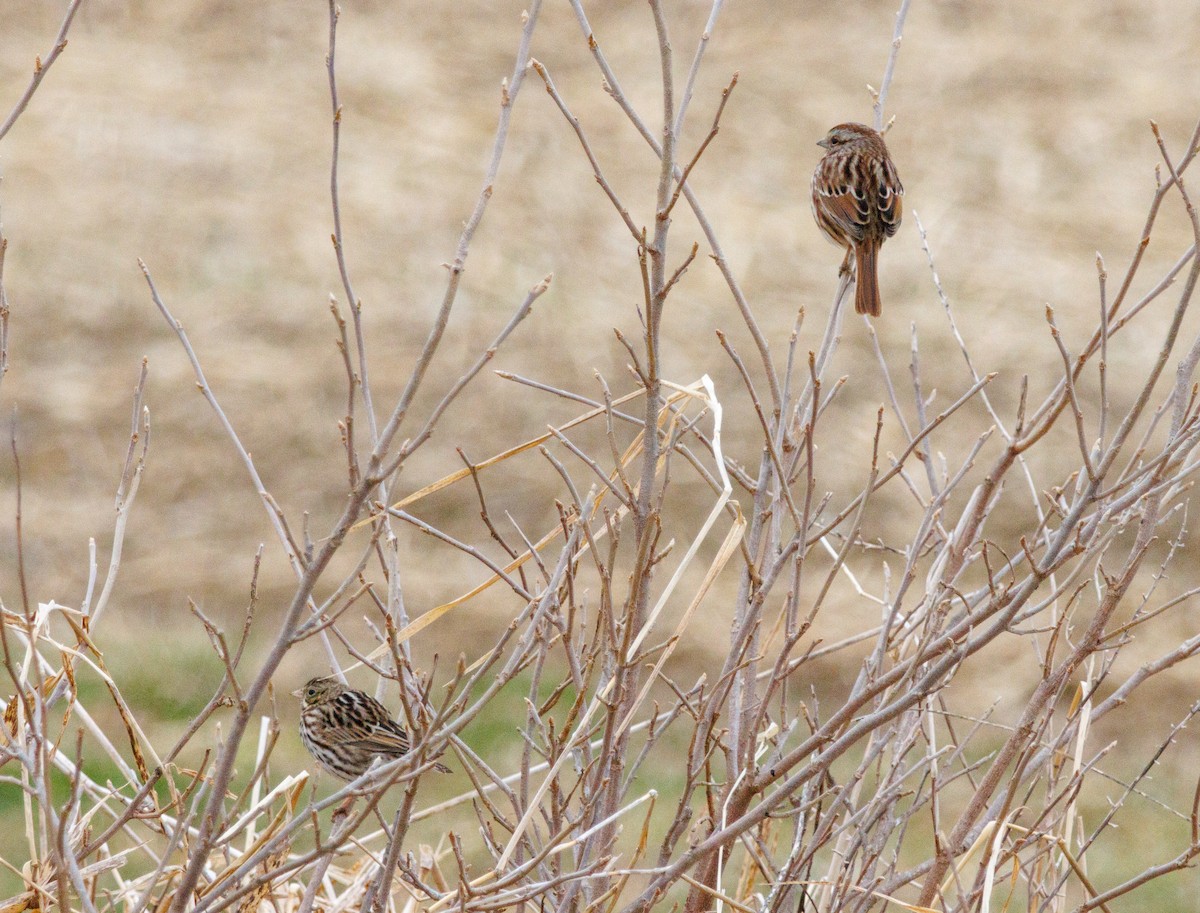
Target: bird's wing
[
  {"x": 366, "y": 724},
  {"x": 890, "y": 198},
  {"x": 348, "y": 719},
  {"x": 389, "y": 738},
  {"x": 849, "y": 211}
]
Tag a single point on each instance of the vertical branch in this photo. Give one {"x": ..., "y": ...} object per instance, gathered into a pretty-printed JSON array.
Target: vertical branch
[
  {"x": 623, "y": 680},
  {"x": 3, "y": 308},
  {"x": 339, "y": 245},
  {"x": 18, "y": 535},
  {"x": 657, "y": 251},
  {"x": 701, "y": 47},
  {"x": 890, "y": 69}
]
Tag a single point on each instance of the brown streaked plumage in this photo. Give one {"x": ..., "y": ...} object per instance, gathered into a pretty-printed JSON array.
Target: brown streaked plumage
[
  {"x": 856, "y": 200},
  {"x": 345, "y": 729}
]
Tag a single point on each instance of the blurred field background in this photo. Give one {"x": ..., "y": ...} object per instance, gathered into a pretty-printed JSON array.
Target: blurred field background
[{"x": 195, "y": 135}]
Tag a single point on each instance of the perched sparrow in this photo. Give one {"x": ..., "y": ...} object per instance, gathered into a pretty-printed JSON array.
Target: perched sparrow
[
  {"x": 345, "y": 730},
  {"x": 856, "y": 202}
]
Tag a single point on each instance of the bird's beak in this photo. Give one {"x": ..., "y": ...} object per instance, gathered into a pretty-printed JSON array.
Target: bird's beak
[
  {"x": 299, "y": 692},
  {"x": 824, "y": 144}
]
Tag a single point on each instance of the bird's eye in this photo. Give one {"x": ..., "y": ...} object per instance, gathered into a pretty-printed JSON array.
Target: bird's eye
[
  {"x": 311, "y": 692},
  {"x": 833, "y": 140}
]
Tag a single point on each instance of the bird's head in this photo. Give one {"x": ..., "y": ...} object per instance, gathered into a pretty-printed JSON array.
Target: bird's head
[
  {"x": 848, "y": 134},
  {"x": 318, "y": 690}
]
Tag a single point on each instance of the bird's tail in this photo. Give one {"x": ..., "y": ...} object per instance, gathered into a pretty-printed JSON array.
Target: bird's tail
[{"x": 866, "y": 290}]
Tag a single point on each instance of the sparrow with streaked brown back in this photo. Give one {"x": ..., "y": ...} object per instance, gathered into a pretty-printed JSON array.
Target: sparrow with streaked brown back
[
  {"x": 857, "y": 202},
  {"x": 345, "y": 729}
]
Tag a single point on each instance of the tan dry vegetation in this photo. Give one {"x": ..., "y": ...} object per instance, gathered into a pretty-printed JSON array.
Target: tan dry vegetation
[{"x": 195, "y": 136}]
